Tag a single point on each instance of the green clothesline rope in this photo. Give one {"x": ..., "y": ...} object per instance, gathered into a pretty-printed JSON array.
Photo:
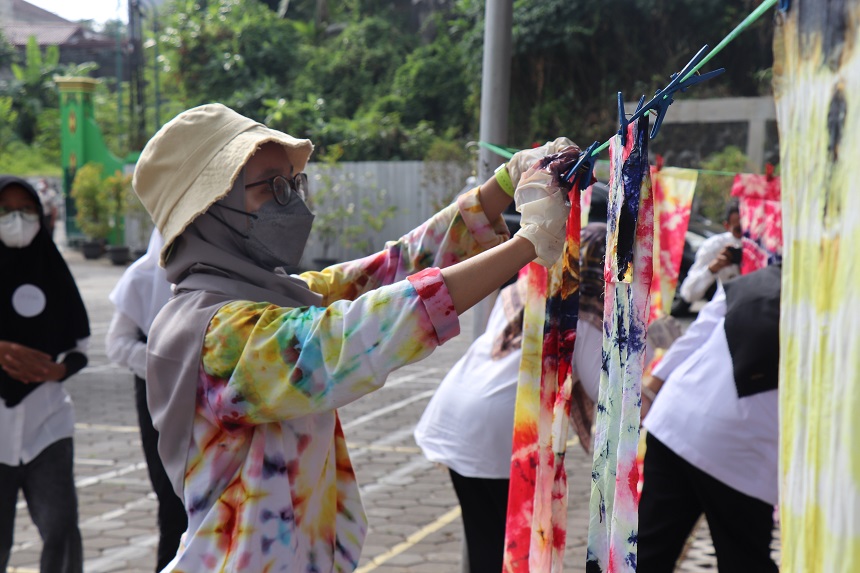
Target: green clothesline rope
[
  {"x": 752, "y": 17},
  {"x": 508, "y": 152}
]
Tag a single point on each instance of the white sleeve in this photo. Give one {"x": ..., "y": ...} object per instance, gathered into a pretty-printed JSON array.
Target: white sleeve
[
  {"x": 123, "y": 344},
  {"x": 709, "y": 317},
  {"x": 700, "y": 278}
]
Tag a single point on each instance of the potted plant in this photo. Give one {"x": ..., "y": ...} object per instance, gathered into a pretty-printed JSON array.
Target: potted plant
[
  {"x": 101, "y": 203},
  {"x": 117, "y": 189},
  {"x": 92, "y": 217}
]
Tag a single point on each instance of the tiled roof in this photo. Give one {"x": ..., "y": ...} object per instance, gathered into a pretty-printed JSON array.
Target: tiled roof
[
  {"x": 17, "y": 33},
  {"x": 25, "y": 12}
]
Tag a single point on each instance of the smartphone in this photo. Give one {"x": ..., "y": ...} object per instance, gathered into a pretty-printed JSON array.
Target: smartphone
[{"x": 736, "y": 253}]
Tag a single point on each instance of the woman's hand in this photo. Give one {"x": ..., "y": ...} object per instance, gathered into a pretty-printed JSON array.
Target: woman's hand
[
  {"x": 28, "y": 365},
  {"x": 541, "y": 198},
  {"x": 524, "y": 159}
]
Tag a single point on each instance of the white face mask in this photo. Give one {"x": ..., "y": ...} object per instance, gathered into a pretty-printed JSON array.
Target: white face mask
[{"x": 18, "y": 229}]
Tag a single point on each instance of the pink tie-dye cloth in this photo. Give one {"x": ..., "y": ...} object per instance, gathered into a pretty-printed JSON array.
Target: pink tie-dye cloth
[{"x": 761, "y": 219}]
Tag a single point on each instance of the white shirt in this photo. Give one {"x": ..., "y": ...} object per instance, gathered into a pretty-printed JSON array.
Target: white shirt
[
  {"x": 469, "y": 423},
  {"x": 123, "y": 345},
  {"x": 46, "y": 415},
  {"x": 698, "y": 415},
  {"x": 700, "y": 278}
]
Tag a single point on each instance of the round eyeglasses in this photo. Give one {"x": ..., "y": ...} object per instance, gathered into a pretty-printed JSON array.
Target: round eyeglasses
[{"x": 284, "y": 188}]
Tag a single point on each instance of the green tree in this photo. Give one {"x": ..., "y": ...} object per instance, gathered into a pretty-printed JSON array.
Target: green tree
[
  {"x": 713, "y": 191},
  {"x": 236, "y": 53},
  {"x": 32, "y": 89}
]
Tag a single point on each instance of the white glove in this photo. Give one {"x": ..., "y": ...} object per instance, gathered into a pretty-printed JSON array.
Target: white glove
[
  {"x": 522, "y": 160},
  {"x": 543, "y": 223},
  {"x": 541, "y": 198}
]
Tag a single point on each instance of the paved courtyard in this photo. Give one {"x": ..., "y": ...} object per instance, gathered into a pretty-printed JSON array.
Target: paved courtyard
[{"x": 413, "y": 512}]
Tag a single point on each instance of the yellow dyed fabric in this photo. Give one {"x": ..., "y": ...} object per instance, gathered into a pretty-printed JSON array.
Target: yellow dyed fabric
[{"x": 817, "y": 88}]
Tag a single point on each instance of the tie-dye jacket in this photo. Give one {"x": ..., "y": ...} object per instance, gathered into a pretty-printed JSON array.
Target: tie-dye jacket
[{"x": 269, "y": 485}]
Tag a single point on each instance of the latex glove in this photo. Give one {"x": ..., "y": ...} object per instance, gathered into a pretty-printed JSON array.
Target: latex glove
[
  {"x": 541, "y": 198},
  {"x": 522, "y": 160}
]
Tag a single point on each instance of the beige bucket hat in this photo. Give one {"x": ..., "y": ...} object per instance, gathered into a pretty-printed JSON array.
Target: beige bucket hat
[{"x": 194, "y": 160}]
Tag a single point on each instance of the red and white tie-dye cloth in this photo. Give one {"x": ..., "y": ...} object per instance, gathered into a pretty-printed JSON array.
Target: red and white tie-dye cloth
[{"x": 761, "y": 219}]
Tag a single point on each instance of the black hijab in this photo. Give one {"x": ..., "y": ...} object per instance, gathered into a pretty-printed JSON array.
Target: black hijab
[{"x": 62, "y": 322}]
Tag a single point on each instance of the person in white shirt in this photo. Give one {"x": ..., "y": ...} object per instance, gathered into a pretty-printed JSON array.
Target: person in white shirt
[
  {"x": 717, "y": 258},
  {"x": 712, "y": 439},
  {"x": 44, "y": 330},
  {"x": 468, "y": 424},
  {"x": 138, "y": 296}
]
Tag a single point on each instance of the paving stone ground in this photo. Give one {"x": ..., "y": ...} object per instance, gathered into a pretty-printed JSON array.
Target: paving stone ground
[{"x": 413, "y": 512}]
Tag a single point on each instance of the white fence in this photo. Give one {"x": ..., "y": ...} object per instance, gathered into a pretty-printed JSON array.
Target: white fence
[{"x": 415, "y": 189}]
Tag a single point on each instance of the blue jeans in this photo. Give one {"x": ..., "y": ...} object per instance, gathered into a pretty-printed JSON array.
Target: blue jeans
[{"x": 48, "y": 483}]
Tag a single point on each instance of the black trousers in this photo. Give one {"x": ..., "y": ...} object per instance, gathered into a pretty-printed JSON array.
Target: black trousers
[
  {"x": 675, "y": 494},
  {"x": 48, "y": 483},
  {"x": 172, "y": 521},
  {"x": 484, "y": 503}
]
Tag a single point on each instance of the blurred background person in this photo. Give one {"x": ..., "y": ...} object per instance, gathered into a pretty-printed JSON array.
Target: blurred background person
[
  {"x": 44, "y": 331},
  {"x": 719, "y": 257},
  {"x": 138, "y": 296},
  {"x": 713, "y": 430},
  {"x": 50, "y": 200}
]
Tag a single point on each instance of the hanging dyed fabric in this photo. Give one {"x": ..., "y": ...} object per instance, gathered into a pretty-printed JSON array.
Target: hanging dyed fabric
[
  {"x": 817, "y": 90},
  {"x": 537, "y": 499},
  {"x": 613, "y": 526},
  {"x": 761, "y": 219},
  {"x": 673, "y": 189}
]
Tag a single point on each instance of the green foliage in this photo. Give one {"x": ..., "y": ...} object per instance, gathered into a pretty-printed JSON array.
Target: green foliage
[
  {"x": 570, "y": 57},
  {"x": 365, "y": 77},
  {"x": 352, "y": 68},
  {"x": 92, "y": 201},
  {"x": 341, "y": 214},
  {"x": 428, "y": 84},
  {"x": 328, "y": 203},
  {"x": 24, "y": 160},
  {"x": 101, "y": 202},
  {"x": 235, "y": 52},
  {"x": 8, "y": 56},
  {"x": 32, "y": 88},
  {"x": 10, "y": 117},
  {"x": 441, "y": 182},
  {"x": 713, "y": 191},
  {"x": 373, "y": 213}
]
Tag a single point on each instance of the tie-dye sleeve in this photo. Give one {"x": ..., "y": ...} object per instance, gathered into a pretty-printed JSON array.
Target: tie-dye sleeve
[
  {"x": 450, "y": 236},
  {"x": 263, "y": 363}
]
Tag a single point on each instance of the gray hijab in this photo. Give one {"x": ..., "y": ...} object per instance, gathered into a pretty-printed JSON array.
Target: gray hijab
[{"x": 210, "y": 267}]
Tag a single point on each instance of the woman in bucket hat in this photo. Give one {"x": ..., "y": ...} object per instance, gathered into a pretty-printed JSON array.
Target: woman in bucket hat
[{"x": 247, "y": 365}]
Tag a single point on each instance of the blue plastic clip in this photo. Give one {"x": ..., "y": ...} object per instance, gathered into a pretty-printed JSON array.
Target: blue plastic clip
[
  {"x": 584, "y": 167},
  {"x": 784, "y": 5},
  {"x": 622, "y": 120},
  {"x": 663, "y": 98},
  {"x": 622, "y": 117}
]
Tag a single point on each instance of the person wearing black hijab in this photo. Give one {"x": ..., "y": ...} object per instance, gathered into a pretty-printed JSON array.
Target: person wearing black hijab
[{"x": 43, "y": 333}]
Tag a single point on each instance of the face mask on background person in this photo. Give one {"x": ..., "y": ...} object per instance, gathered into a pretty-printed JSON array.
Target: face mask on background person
[{"x": 17, "y": 229}]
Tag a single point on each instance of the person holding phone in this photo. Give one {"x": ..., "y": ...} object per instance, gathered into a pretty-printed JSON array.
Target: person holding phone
[{"x": 719, "y": 257}]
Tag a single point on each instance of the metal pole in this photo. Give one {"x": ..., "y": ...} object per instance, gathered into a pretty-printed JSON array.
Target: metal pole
[
  {"x": 155, "y": 67},
  {"x": 495, "y": 102},
  {"x": 119, "y": 82},
  {"x": 495, "y": 82}
]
